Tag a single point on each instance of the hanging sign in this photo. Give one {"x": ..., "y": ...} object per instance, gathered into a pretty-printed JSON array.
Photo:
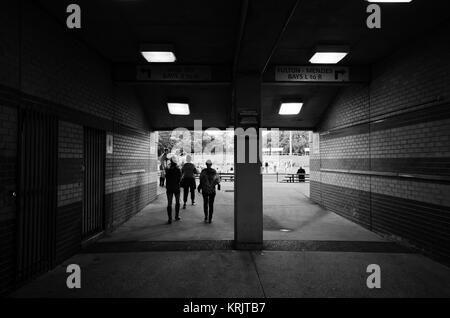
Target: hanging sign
[
  {"x": 173, "y": 73},
  {"x": 322, "y": 73}
]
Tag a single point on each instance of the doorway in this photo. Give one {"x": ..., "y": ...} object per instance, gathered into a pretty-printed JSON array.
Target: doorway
[
  {"x": 93, "y": 220},
  {"x": 285, "y": 170},
  {"x": 193, "y": 147},
  {"x": 38, "y": 138}
]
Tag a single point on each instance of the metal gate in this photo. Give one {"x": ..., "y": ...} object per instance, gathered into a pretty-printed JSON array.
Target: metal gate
[
  {"x": 36, "y": 226},
  {"x": 94, "y": 182}
]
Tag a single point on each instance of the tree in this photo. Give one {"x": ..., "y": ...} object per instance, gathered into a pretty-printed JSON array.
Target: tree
[
  {"x": 300, "y": 141},
  {"x": 212, "y": 140}
]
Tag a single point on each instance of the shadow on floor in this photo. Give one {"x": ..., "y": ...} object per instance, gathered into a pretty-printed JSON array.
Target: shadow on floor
[{"x": 288, "y": 215}]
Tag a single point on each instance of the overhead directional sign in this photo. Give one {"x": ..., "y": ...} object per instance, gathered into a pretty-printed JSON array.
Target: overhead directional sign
[
  {"x": 315, "y": 73},
  {"x": 173, "y": 73}
]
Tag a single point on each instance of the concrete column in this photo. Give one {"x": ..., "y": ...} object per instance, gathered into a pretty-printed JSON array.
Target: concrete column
[{"x": 248, "y": 198}]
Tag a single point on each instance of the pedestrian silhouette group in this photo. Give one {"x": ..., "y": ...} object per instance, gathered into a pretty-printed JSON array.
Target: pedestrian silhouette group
[{"x": 176, "y": 177}]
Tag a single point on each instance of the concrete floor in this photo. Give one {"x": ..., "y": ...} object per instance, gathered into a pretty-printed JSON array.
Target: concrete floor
[
  {"x": 244, "y": 274},
  {"x": 286, "y": 207},
  {"x": 329, "y": 258}
]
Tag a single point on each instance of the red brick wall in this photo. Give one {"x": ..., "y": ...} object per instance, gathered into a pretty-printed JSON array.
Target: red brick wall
[{"x": 382, "y": 153}]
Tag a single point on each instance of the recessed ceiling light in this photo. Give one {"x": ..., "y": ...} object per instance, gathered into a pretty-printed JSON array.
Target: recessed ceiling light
[
  {"x": 158, "y": 53},
  {"x": 159, "y": 57},
  {"x": 290, "y": 108},
  {"x": 390, "y": 1},
  {"x": 178, "y": 108},
  {"x": 329, "y": 54},
  {"x": 327, "y": 57}
]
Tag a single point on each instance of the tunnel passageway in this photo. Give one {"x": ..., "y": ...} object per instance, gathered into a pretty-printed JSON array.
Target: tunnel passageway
[{"x": 289, "y": 214}]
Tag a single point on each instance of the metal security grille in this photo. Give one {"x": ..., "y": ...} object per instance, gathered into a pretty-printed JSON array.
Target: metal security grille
[
  {"x": 37, "y": 193},
  {"x": 94, "y": 182}
]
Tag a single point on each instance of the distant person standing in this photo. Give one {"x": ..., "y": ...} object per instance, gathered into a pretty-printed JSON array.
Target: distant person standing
[
  {"x": 173, "y": 178},
  {"x": 188, "y": 180},
  {"x": 266, "y": 166},
  {"x": 301, "y": 174},
  {"x": 162, "y": 175},
  {"x": 208, "y": 181}
]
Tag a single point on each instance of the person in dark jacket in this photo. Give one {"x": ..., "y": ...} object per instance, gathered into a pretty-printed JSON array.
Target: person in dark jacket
[
  {"x": 163, "y": 164},
  {"x": 173, "y": 178},
  {"x": 301, "y": 174},
  {"x": 208, "y": 181},
  {"x": 188, "y": 180}
]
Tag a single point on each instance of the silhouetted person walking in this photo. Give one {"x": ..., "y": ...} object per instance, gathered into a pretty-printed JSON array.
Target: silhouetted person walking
[
  {"x": 173, "y": 178},
  {"x": 163, "y": 164},
  {"x": 188, "y": 181},
  {"x": 208, "y": 181}
]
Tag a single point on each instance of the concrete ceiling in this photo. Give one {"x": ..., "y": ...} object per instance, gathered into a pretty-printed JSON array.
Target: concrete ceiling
[
  {"x": 244, "y": 36},
  {"x": 211, "y": 104}
]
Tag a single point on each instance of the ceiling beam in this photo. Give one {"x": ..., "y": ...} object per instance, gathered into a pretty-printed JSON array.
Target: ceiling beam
[
  {"x": 240, "y": 36},
  {"x": 280, "y": 35},
  {"x": 237, "y": 54},
  {"x": 264, "y": 20}
]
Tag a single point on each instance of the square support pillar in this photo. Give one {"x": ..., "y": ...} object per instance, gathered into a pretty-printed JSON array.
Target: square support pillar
[{"x": 248, "y": 198}]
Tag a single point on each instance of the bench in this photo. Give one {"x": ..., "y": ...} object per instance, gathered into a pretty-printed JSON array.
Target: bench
[
  {"x": 294, "y": 177},
  {"x": 226, "y": 177}
]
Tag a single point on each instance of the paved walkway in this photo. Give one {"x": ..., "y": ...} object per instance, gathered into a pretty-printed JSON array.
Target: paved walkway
[
  {"x": 288, "y": 215},
  {"x": 323, "y": 255},
  {"x": 244, "y": 274}
]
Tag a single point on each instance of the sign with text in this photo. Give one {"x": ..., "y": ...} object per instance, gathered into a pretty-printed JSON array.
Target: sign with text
[
  {"x": 109, "y": 143},
  {"x": 173, "y": 73},
  {"x": 153, "y": 143},
  {"x": 323, "y": 73}
]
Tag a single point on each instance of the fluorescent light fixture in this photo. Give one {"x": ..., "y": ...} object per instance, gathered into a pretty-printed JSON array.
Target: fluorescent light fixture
[
  {"x": 329, "y": 54},
  {"x": 389, "y": 1},
  {"x": 158, "y": 53},
  {"x": 159, "y": 57},
  {"x": 178, "y": 108},
  {"x": 327, "y": 57},
  {"x": 290, "y": 108}
]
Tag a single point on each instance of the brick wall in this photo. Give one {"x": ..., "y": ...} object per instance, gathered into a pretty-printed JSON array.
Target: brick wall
[
  {"x": 381, "y": 156},
  {"x": 46, "y": 67},
  {"x": 9, "y": 43},
  {"x": 130, "y": 175},
  {"x": 8, "y": 155},
  {"x": 70, "y": 189}
]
